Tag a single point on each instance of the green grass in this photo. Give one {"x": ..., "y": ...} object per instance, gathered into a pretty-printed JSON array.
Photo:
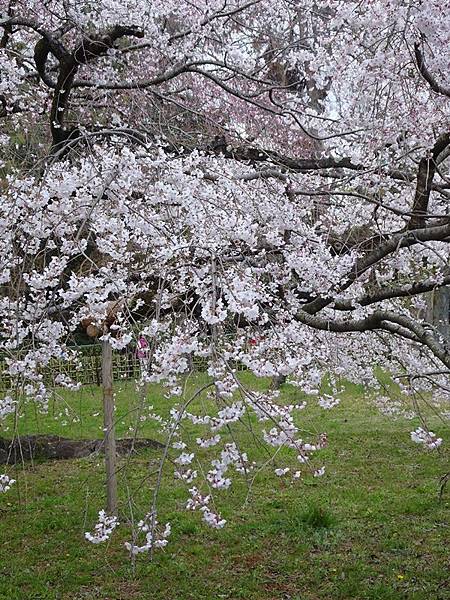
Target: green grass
[{"x": 371, "y": 528}]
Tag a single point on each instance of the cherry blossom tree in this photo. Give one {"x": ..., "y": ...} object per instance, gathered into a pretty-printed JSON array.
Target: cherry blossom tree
[{"x": 263, "y": 183}]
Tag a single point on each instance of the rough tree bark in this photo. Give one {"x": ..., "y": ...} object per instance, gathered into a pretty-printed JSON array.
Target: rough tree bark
[{"x": 439, "y": 311}]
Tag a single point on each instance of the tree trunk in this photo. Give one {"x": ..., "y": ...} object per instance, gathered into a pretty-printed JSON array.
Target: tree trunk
[
  {"x": 439, "y": 311},
  {"x": 108, "y": 424},
  {"x": 277, "y": 381}
]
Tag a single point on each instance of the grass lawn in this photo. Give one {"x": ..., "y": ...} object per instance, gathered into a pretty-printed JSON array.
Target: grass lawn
[{"x": 371, "y": 528}]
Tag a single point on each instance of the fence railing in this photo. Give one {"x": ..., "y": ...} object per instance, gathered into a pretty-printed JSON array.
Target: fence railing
[{"x": 86, "y": 369}]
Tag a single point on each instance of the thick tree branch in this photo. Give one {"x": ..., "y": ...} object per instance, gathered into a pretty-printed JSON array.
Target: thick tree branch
[
  {"x": 87, "y": 50},
  {"x": 378, "y": 295},
  {"x": 395, "y": 242},
  {"x": 54, "y": 43},
  {"x": 425, "y": 176},
  {"x": 387, "y": 320},
  {"x": 91, "y": 48},
  {"x": 429, "y": 78}
]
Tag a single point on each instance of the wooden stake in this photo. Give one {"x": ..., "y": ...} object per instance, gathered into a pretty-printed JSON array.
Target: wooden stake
[{"x": 109, "y": 429}]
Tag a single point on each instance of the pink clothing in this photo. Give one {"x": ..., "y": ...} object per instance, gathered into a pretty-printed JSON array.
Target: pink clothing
[{"x": 142, "y": 347}]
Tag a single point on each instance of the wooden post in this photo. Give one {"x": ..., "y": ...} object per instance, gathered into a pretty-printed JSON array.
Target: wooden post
[{"x": 109, "y": 430}]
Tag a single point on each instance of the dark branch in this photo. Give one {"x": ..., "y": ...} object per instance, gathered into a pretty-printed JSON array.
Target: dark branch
[
  {"x": 425, "y": 176},
  {"x": 387, "y": 320},
  {"x": 429, "y": 78},
  {"x": 52, "y": 39},
  {"x": 92, "y": 48},
  {"x": 378, "y": 295},
  {"x": 395, "y": 242}
]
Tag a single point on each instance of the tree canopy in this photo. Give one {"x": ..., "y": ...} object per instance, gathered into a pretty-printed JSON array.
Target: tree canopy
[{"x": 259, "y": 182}]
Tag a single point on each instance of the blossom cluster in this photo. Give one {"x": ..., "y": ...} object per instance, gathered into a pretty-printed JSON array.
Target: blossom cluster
[
  {"x": 201, "y": 503},
  {"x": 5, "y": 483},
  {"x": 153, "y": 537},
  {"x": 428, "y": 438},
  {"x": 247, "y": 197},
  {"x": 103, "y": 528}
]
